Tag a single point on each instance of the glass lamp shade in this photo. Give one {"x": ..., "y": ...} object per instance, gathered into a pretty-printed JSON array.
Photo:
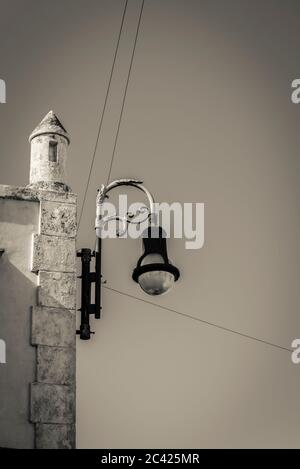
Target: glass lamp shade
[{"x": 156, "y": 282}]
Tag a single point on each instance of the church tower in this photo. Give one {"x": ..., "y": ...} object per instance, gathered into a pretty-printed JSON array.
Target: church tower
[{"x": 49, "y": 143}]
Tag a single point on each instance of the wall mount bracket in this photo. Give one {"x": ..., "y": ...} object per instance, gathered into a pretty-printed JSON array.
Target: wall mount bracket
[{"x": 87, "y": 279}]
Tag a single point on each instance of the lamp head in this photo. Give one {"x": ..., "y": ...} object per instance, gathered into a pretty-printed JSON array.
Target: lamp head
[{"x": 154, "y": 273}]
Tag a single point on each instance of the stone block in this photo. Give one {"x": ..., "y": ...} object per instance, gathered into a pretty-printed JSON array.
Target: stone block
[
  {"x": 55, "y": 365},
  {"x": 53, "y": 253},
  {"x": 53, "y": 327},
  {"x": 29, "y": 193},
  {"x": 58, "y": 219},
  {"x": 57, "y": 289},
  {"x": 55, "y": 436},
  {"x": 52, "y": 403}
]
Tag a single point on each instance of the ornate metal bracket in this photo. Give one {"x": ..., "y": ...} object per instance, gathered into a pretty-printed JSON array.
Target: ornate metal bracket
[
  {"x": 130, "y": 217},
  {"x": 87, "y": 277}
]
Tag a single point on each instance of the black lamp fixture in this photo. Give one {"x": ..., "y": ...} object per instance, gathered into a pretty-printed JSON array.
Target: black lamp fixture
[
  {"x": 1, "y": 252},
  {"x": 154, "y": 272}
]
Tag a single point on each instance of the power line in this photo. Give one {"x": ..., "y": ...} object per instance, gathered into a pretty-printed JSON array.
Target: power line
[
  {"x": 103, "y": 111},
  {"x": 188, "y": 316},
  {"x": 126, "y": 88},
  {"x": 203, "y": 321}
]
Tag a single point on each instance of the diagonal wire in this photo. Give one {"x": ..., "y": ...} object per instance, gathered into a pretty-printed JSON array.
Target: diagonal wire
[
  {"x": 203, "y": 321},
  {"x": 125, "y": 93},
  {"x": 103, "y": 111},
  {"x": 179, "y": 313}
]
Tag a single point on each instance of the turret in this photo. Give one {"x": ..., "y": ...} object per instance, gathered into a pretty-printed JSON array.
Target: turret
[{"x": 49, "y": 143}]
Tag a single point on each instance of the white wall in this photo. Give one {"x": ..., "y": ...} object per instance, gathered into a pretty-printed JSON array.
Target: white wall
[
  {"x": 18, "y": 220},
  {"x": 209, "y": 119}
]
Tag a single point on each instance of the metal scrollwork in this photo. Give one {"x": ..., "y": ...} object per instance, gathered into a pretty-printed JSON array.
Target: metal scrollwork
[{"x": 130, "y": 217}]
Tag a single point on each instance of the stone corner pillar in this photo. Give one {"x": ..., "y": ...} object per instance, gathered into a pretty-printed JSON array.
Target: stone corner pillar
[{"x": 53, "y": 328}]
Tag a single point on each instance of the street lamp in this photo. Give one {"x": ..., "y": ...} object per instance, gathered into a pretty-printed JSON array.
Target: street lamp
[{"x": 154, "y": 272}]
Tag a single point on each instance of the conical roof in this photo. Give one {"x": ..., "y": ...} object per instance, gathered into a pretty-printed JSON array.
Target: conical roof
[{"x": 50, "y": 125}]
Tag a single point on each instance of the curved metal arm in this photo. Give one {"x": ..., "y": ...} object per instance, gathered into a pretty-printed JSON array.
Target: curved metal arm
[{"x": 103, "y": 194}]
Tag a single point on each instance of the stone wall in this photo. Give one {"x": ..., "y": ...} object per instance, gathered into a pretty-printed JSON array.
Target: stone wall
[{"x": 52, "y": 394}]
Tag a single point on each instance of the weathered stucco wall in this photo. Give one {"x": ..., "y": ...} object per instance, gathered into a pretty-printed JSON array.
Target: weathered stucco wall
[{"x": 18, "y": 221}]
